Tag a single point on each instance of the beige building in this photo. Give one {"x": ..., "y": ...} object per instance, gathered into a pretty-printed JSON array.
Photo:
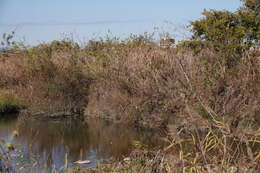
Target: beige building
[{"x": 167, "y": 42}]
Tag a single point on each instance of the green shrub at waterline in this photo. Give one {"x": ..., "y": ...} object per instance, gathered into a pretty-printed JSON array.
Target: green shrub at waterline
[{"x": 9, "y": 102}]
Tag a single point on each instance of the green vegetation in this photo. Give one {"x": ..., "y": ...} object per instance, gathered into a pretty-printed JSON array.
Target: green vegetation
[
  {"x": 225, "y": 30},
  {"x": 231, "y": 33},
  {"x": 9, "y": 102}
]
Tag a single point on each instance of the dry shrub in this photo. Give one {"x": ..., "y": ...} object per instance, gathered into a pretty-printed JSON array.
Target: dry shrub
[
  {"x": 148, "y": 82},
  {"x": 49, "y": 77},
  {"x": 214, "y": 106}
]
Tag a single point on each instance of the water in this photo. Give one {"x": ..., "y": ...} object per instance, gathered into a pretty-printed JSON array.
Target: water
[{"x": 47, "y": 144}]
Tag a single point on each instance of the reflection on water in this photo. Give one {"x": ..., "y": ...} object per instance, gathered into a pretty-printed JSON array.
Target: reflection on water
[{"x": 50, "y": 142}]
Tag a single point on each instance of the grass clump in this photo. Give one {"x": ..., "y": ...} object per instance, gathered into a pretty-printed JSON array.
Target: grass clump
[{"x": 9, "y": 102}]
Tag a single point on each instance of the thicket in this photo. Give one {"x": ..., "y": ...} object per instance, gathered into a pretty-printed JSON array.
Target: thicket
[
  {"x": 206, "y": 92},
  {"x": 48, "y": 77}
]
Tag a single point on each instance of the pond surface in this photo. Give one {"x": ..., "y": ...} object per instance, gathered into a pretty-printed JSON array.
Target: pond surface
[{"x": 44, "y": 145}]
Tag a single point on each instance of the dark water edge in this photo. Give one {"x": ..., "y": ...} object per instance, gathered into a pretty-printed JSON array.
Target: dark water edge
[{"x": 43, "y": 145}]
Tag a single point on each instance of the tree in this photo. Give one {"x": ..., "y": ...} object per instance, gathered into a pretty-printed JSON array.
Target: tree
[
  {"x": 235, "y": 31},
  {"x": 251, "y": 5}
]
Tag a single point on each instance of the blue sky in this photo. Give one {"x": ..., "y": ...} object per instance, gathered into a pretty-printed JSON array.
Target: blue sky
[{"x": 45, "y": 20}]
